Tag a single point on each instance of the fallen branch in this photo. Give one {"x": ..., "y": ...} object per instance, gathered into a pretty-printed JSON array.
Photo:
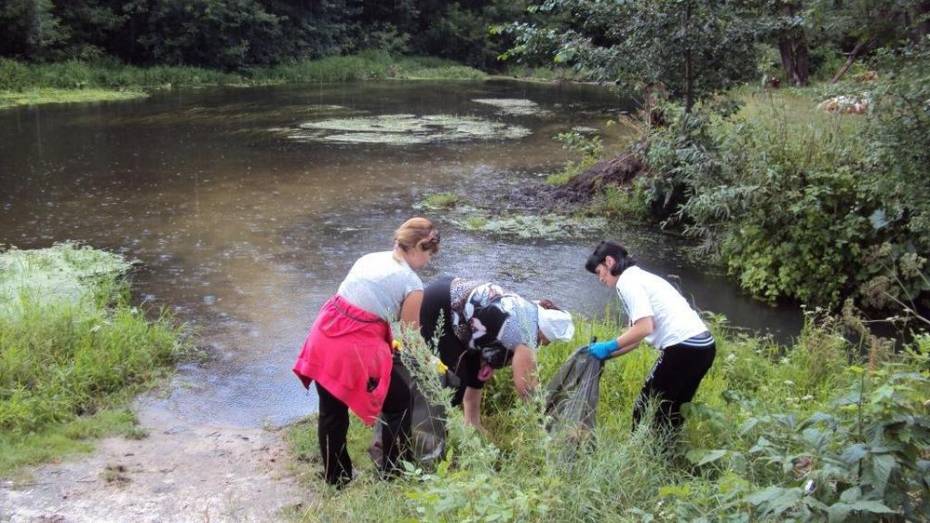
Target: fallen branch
[{"x": 859, "y": 49}]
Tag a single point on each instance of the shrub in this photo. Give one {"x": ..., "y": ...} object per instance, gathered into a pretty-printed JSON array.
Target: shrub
[
  {"x": 802, "y": 204},
  {"x": 70, "y": 341},
  {"x": 14, "y": 76},
  {"x": 589, "y": 148}
]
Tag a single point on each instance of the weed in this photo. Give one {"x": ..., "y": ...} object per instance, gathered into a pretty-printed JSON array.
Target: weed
[
  {"x": 440, "y": 201},
  {"x": 72, "y": 349},
  {"x": 774, "y": 432}
]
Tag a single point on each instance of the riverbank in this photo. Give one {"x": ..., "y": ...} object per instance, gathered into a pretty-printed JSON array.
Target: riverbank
[
  {"x": 820, "y": 428},
  {"x": 73, "y": 352},
  {"x": 31, "y": 84},
  {"x": 804, "y": 195}
]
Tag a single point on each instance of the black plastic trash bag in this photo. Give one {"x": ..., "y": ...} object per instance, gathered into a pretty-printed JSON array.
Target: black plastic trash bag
[
  {"x": 428, "y": 428},
  {"x": 572, "y": 394}
]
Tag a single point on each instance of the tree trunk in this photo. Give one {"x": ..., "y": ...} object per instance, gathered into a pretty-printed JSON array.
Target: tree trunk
[
  {"x": 923, "y": 28},
  {"x": 689, "y": 64},
  {"x": 860, "y": 47},
  {"x": 792, "y": 45}
]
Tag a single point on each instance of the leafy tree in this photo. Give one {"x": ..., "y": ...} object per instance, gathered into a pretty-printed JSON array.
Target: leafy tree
[
  {"x": 461, "y": 31},
  {"x": 695, "y": 48},
  {"x": 89, "y": 27},
  {"x": 860, "y": 26},
  {"x": 29, "y": 27},
  {"x": 220, "y": 33}
]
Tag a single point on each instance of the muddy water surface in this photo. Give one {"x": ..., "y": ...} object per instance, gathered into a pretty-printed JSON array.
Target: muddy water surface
[{"x": 245, "y": 224}]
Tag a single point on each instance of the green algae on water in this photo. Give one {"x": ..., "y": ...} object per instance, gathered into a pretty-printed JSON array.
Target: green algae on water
[
  {"x": 439, "y": 201},
  {"x": 513, "y": 106},
  {"x": 531, "y": 227},
  {"x": 405, "y": 129},
  {"x": 62, "y": 273},
  {"x": 55, "y": 96}
]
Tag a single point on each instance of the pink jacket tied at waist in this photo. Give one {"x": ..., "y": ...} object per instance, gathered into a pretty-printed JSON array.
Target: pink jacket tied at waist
[{"x": 348, "y": 348}]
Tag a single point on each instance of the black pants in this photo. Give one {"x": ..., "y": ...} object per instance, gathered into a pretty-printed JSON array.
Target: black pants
[
  {"x": 333, "y": 426},
  {"x": 674, "y": 381},
  {"x": 465, "y": 364}
]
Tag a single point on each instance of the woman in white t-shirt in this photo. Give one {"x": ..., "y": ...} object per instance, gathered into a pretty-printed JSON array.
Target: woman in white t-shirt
[
  {"x": 659, "y": 314},
  {"x": 348, "y": 351}
]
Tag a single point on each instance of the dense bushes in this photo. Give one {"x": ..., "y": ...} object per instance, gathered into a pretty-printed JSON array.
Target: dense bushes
[
  {"x": 237, "y": 34},
  {"x": 774, "y": 433},
  {"x": 803, "y": 204}
]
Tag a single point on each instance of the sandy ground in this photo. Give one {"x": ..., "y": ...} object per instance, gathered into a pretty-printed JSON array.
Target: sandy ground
[{"x": 180, "y": 472}]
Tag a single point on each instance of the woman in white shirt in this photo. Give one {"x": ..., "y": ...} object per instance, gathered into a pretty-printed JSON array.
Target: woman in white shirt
[
  {"x": 348, "y": 351},
  {"x": 661, "y": 316}
]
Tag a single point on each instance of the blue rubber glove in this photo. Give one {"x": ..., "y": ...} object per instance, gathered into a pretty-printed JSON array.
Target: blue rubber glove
[{"x": 603, "y": 349}]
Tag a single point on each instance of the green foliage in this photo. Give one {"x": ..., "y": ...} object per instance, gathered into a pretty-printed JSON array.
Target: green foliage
[
  {"x": 13, "y": 75},
  {"x": 804, "y": 204},
  {"x": 774, "y": 433},
  {"x": 239, "y": 34},
  {"x": 22, "y": 83},
  {"x": 440, "y": 201},
  {"x": 623, "y": 203},
  {"x": 809, "y": 170},
  {"x": 645, "y": 42},
  {"x": 589, "y": 148},
  {"x": 899, "y": 156},
  {"x": 461, "y": 32},
  {"x": 679, "y": 157},
  {"x": 71, "y": 344}
]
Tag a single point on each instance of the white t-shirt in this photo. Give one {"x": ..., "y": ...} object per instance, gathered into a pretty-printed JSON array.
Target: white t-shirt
[
  {"x": 645, "y": 294},
  {"x": 378, "y": 283}
]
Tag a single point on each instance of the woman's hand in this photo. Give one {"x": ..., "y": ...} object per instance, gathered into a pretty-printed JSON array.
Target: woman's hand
[
  {"x": 627, "y": 341},
  {"x": 524, "y": 370},
  {"x": 603, "y": 349}
]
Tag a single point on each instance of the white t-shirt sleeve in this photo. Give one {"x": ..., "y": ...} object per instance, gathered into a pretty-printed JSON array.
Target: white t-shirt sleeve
[
  {"x": 414, "y": 283},
  {"x": 635, "y": 299}
]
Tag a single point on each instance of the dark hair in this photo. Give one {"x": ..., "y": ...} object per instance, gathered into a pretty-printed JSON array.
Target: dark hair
[{"x": 616, "y": 251}]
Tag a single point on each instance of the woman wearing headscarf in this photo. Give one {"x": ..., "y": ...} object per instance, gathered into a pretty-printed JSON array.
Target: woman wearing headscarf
[{"x": 477, "y": 327}]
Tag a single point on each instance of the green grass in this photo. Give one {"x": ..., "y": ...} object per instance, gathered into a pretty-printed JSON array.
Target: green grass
[
  {"x": 73, "y": 350},
  {"x": 74, "y": 81},
  {"x": 72, "y": 437},
  {"x": 542, "y": 74},
  {"x": 621, "y": 203},
  {"x": 519, "y": 472},
  {"x": 570, "y": 171}
]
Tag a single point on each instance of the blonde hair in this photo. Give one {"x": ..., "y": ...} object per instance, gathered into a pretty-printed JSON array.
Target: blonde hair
[{"x": 417, "y": 233}]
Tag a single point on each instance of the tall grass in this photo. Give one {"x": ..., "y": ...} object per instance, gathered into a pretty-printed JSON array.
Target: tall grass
[
  {"x": 519, "y": 472},
  {"x": 71, "y": 345},
  {"x": 369, "y": 65}
]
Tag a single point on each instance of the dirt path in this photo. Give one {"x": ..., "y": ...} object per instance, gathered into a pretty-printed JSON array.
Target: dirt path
[{"x": 180, "y": 472}]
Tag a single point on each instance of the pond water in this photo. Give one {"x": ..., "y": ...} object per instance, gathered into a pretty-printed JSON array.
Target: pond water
[{"x": 246, "y": 207}]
